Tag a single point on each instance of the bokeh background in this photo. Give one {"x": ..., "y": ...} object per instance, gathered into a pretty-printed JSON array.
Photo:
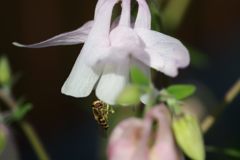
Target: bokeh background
[{"x": 65, "y": 124}]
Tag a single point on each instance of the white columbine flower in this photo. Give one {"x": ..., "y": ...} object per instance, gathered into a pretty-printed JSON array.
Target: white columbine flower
[{"x": 111, "y": 49}]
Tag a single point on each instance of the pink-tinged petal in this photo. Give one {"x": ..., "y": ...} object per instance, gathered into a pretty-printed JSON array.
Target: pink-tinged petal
[
  {"x": 84, "y": 75},
  {"x": 143, "y": 19},
  {"x": 125, "y": 38},
  {"x": 112, "y": 82},
  {"x": 124, "y": 41},
  {"x": 69, "y": 38},
  {"x": 130, "y": 139},
  {"x": 124, "y": 140},
  {"x": 166, "y": 54},
  {"x": 164, "y": 146},
  {"x": 102, "y": 22},
  {"x": 10, "y": 150},
  {"x": 98, "y": 43}
]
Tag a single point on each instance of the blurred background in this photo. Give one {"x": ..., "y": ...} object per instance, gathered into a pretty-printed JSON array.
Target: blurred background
[{"x": 65, "y": 124}]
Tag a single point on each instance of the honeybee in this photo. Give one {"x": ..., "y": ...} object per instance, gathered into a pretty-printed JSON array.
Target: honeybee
[{"x": 101, "y": 112}]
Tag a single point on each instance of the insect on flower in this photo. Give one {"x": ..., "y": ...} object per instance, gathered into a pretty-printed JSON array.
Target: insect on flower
[{"x": 101, "y": 112}]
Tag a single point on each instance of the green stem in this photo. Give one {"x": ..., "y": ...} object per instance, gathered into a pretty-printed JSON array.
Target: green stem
[
  {"x": 35, "y": 142},
  {"x": 232, "y": 93},
  {"x": 6, "y": 97}
]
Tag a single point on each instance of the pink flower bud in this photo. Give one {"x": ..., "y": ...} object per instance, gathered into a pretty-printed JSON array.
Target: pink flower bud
[{"x": 131, "y": 139}]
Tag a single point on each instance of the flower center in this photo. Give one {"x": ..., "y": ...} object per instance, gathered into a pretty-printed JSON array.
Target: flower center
[{"x": 125, "y": 38}]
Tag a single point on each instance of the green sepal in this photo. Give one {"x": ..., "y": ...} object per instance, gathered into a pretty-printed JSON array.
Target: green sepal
[
  {"x": 139, "y": 78},
  {"x": 129, "y": 96}
]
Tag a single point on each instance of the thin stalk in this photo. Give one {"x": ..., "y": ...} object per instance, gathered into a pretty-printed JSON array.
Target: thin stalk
[
  {"x": 231, "y": 94},
  {"x": 28, "y": 130}
]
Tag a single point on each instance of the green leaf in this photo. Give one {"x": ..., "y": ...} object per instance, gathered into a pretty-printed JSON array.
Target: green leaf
[
  {"x": 138, "y": 77},
  {"x": 129, "y": 96},
  {"x": 181, "y": 91},
  {"x": 21, "y": 111},
  {"x": 189, "y": 137}
]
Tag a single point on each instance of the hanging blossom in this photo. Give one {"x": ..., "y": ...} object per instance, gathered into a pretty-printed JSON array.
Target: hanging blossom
[
  {"x": 132, "y": 139},
  {"x": 111, "y": 48}
]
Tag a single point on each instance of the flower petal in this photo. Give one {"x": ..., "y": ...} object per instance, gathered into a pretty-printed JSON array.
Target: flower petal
[
  {"x": 98, "y": 44},
  {"x": 114, "y": 79},
  {"x": 125, "y": 38},
  {"x": 81, "y": 80},
  {"x": 69, "y": 38},
  {"x": 166, "y": 54},
  {"x": 125, "y": 19},
  {"x": 143, "y": 19},
  {"x": 164, "y": 146},
  {"x": 84, "y": 75},
  {"x": 125, "y": 139},
  {"x": 98, "y": 5},
  {"x": 102, "y": 22}
]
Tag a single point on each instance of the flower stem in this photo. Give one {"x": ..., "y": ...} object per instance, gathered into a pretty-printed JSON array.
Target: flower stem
[
  {"x": 229, "y": 97},
  {"x": 151, "y": 101},
  {"x": 6, "y": 97},
  {"x": 33, "y": 138}
]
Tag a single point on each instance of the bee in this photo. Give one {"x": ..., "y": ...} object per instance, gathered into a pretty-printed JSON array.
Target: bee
[{"x": 101, "y": 112}]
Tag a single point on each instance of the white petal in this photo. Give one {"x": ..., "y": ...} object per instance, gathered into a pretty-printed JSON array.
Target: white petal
[
  {"x": 97, "y": 45},
  {"x": 125, "y": 38},
  {"x": 102, "y": 22},
  {"x": 69, "y": 38},
  {"x": 81, "y": 80},
  {"x": 125, "y": 17},
  {"x": 143, "y": 19},
  {"x": 98, "y": 6},
  {"x": 166, "y": 54},
  {"x": 113, "y": 81}
]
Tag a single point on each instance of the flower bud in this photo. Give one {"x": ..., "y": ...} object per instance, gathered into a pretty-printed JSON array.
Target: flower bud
[
  {"x": 189, "y": 137},
  {"x": 135, "y": 139},
  {"x": 5, "y": 73},
  {"x": 8, "y": 148},
  {"x": 3, "y": 137}
]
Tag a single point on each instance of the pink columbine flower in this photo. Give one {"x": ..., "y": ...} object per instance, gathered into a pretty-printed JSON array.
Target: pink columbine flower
[
  {"x": 133, "y": 138},
  {"x": 111, "y": 49}
]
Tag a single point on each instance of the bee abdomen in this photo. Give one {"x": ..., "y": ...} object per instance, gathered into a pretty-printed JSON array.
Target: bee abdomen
[{"x": 105, "y": 126}]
